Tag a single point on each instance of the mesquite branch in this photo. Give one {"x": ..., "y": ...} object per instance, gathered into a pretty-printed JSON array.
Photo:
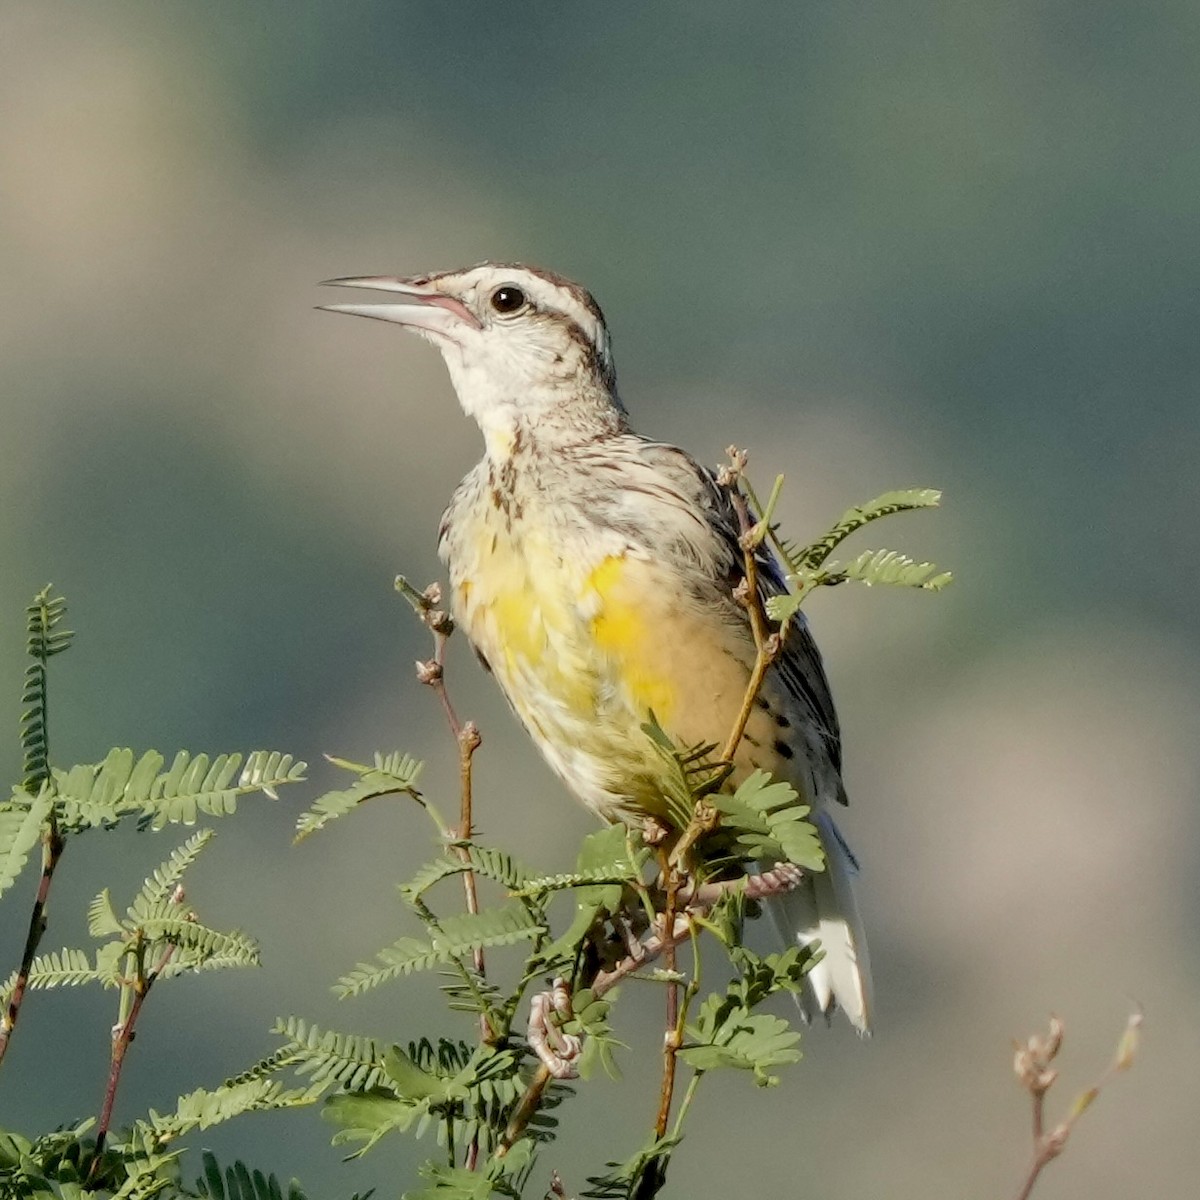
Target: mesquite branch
[
  {"x": 704, "y": 817},
  {"x": 1031, "y": 1064},
  {"x": 432, "y": 672},
  {"x": 695, "y": 903},
  {"x": 137, "y": 989},
  {"x": 52, "y": 848}
]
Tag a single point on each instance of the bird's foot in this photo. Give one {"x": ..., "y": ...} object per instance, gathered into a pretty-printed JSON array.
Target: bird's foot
[{"x": 558, "y": 1052}]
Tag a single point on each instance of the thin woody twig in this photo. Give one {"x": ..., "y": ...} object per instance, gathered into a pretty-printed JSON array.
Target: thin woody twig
[
  {"x": 52, "y": 848},
  {"x": 432, "y": 673},
  {"x": 123, "y": 1034},
  {"x": 705, "y": 816},
  {"x": 671, "y": 1039},
  {"x": 526, "y": 1107},
  {"x": 600, "y": 984},
  {"x": 1031, "y": 1064},
  {"x": 468, "y": 739},
  {"x": 766, "y": 641},
  {"x": 693, "y": 904}
]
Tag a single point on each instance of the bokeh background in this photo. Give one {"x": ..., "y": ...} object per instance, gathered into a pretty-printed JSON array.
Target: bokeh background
[{"x": 916, "y": 242}]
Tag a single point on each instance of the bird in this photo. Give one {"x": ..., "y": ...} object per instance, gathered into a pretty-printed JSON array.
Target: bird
[{"x": 595, "y": 572}]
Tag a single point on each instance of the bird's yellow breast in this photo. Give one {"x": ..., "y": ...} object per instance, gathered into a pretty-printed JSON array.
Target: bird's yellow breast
[
  {"x": 560, "y": 630},
  {"x": 586, "y": 644},
  {"x": 625, "y": 635}
]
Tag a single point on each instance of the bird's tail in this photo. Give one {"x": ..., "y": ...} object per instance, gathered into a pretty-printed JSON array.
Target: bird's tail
[{"x": 823, "y": 908}]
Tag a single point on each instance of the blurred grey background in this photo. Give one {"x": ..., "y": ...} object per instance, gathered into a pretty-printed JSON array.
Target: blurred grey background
[{"x": 916, "y": 242}]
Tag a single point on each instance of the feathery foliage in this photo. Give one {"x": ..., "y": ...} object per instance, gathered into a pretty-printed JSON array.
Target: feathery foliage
[
  {"x": 44, "y": 641},
  {"x": 23, "y": 821},
  {"x": 799, "y": 558},
  {"x": 154, "y": 921},
  {"x": 653, "y": 904},
  {"x": 391, "y": 774},
  {"x": 768, "y": 822},
  {"x": 238, "y": 1182},
  {"x": 807, "y": 568},
  {"x": 324, "y": 1056},
  {"x": 454, "y": 938},
  {"x": 102, "y": 794}
]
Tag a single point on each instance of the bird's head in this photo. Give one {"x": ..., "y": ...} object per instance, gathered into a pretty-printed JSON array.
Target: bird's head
[{"x": 525, "y": 347}]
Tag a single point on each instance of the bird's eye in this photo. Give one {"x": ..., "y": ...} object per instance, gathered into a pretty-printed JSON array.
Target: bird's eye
[{"x": 507, "y": 298}]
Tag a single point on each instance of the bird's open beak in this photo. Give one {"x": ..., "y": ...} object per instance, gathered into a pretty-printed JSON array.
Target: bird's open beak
[{"x": 420, "y": 306}]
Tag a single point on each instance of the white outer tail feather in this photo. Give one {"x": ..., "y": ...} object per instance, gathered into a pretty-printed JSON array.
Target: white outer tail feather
[{"x": 824, "y": 908}]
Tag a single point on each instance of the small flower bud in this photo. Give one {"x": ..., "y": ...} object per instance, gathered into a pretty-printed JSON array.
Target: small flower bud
[
  {"x": 1054, "y": 1041},
  {"x": 429, "y": 671},
  {"x": 654, "y": 832},
  {"x": 441, "y": 622},
  {"x": 1128, "y": 1047},
  {"x": 1056, "y": 1140}
]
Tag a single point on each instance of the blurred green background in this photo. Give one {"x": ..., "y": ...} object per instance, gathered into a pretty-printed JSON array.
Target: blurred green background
[{"x": 915, "y": 242}]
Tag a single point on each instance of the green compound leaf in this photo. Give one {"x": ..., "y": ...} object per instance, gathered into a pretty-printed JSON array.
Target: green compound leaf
[
  {"x": 769, "y": 822},
  {"x": 604, "y": 854},
  {"x": 412, "y": 1082},
  {"x": 455, "y": 937},
  {"x": 764, "y": 975},
  {"x": 325, "y": 1056},
  {"x": 430, "y": 874},
  {"x": 744, "y": 1041},
  {"x": 44, "y": 641},
  {"x": 102, "y": 917},
  {"x": 368, "y": 1116},
  {"x": 238, "y": 1182},
  {"x": 641, "y": 1175},
  {"x": 895, "y": 569},
  {"x": 692, "y": 772},
  {"x": 161, "y": 884},
  {"x": 204, "y": 1108},
  {"x": 202, "y": 949},
  {"x": 813, "y": 555},
  {"x": 498, "y": 866},
  {"x": 590, "y": 1021},
  {"x": 483, "y": 860},
  {"x": 497, "y": 1177},
  {"x": 62, "y": 968},
  {"x": 102, "y": 794},
  {"x": 390, "y": 774},
  {"x": 22, "y": 820}
]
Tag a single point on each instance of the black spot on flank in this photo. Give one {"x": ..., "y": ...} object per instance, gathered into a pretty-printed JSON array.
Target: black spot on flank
[
  {"x": 784, "y": 750},
  {"x": 763, "y": 703},
  {"x": 751, "y": 741},
  {"x": 783, "y": 722}
]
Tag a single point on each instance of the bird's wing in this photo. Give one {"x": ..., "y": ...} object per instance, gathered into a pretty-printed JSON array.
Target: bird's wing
[{"x": 703, "y": 532}]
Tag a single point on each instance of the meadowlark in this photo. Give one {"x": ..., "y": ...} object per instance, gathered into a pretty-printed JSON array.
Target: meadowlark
[{"x": 594, "y": 571}]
